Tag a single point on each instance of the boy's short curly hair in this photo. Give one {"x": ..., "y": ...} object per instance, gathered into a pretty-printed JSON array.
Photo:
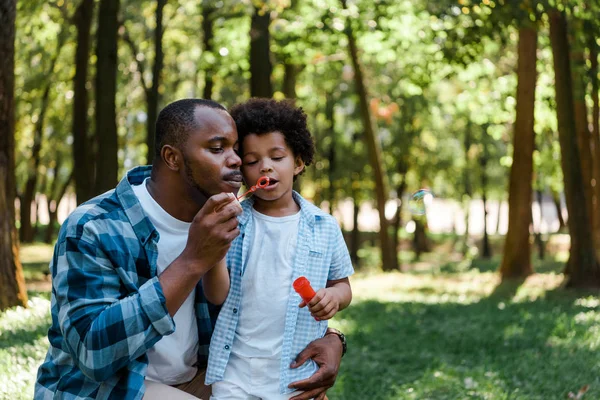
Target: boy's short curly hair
[{"x": 260, "y": 116}]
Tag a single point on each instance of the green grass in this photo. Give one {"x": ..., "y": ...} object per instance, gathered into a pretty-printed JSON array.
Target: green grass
[{"x": 445, "y": 329}]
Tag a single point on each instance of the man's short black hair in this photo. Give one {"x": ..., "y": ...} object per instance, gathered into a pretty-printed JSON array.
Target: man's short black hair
[
  {"x": 260, "y": 116},
  {"x": 177, "y": 120}
]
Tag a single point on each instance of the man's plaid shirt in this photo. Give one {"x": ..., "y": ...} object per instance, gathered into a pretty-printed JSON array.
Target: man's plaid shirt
[{"x": 108, "y": 307}]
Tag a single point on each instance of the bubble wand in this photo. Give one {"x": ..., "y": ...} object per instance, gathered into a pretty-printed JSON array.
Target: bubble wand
[{"x": 262, "y": 183}]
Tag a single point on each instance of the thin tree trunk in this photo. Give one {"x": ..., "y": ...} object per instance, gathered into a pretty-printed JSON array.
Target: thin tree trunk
[
  {"x": 420, "y": 241},
  {"x": 260, "y": 55},
  {"x": 12, "y": 282},
  {"x": 331, "y": 153},
  {"x": 106, "y": 90},
  {"x": 516, "y": 260},
  {"x": 583, "y": 269},
  {"x": 83, "y": 165},
  {"x": 53, "y": 204},
  {"x": 468, "y": 195},
  {"x": 389, "y": 259},
  {"x": 593, "y": 46},
  {"x": 487, "y": 250},
  {"x": 398, "y": 221},
  {"x": 27, "y": 231},
  {"x": 355, "y": 237},
  {"x": 559, "y": 215},
  {"x": 153, "y": 95},
  {"x": 290, "y": 76},
  {"x": 208, "y": 45},
  {"x": 498, "y": 216},
  {"x": 578, "y": 75},
  {"x": 538, "y": 236}
]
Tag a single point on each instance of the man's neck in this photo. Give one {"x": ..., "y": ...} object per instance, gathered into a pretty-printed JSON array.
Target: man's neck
[{"x": 174, "y": 199}]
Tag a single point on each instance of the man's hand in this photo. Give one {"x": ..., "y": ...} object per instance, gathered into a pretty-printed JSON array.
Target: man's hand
[
  {"x": 213, "y": 229},
  {"x": 327, "y": 353},
  {"x": 324, "y": 305},
  {"x": 210, "y": 236}
]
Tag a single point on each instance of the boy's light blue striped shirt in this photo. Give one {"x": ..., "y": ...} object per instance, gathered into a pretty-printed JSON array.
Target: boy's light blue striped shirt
[{"x": 321, "y": 255}]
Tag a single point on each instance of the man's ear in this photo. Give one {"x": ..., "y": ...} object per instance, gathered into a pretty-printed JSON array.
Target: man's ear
[
  {"x": 299, "y": 166},
  {"x": 172, "y": 157}
]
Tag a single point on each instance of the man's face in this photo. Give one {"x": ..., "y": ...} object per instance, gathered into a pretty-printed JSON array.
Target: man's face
[{"x": 211, "y": 163}]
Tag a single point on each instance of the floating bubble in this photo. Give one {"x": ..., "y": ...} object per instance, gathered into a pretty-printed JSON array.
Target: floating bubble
[{"x": 419, "y": 201}]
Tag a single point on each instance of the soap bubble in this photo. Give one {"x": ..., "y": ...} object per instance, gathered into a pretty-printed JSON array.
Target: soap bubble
[{"x": 419, "y": 201}]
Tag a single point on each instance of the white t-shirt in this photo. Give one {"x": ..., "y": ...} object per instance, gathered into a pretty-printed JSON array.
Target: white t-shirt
[
  {"x": 172, "y": 359},
  {"x": 266, "y": 287}
]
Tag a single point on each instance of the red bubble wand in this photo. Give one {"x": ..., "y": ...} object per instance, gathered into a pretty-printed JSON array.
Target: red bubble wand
[{"x": 262, "y": 183}]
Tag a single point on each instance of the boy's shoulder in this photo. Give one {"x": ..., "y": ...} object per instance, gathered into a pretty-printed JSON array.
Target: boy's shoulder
[{"x": 313, "y": 211}]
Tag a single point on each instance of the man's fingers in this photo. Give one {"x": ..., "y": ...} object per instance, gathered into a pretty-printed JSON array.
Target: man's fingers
[
  {"x": 317, "y": 394},
  {"x": 314, "y": 381},
  {"x": 302, "y": 357},
  {"x": 217, "y": 201},
  {"x": 228, "y": 211}
]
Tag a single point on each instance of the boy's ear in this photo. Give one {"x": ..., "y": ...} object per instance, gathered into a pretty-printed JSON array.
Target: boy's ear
[
  {"x": 172, "y": 157},
  {"x": 299, "y": 165}
]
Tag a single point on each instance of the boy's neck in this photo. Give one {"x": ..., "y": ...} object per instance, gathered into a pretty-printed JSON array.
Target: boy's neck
[{"x": 281, "y": 207}]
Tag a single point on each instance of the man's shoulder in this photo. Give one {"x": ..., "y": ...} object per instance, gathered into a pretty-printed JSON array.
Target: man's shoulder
[{"x": 95, "y": 214}]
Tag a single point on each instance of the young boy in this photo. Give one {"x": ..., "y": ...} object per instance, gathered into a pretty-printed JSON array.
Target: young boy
[{"x": 264, "y": 324}]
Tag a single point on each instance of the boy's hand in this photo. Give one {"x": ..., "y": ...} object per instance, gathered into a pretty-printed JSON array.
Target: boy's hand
[{"x": 324, "y": 305}]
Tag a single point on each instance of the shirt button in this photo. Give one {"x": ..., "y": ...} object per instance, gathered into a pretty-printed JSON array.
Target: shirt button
[
  {"x": 235, "y": 310},
  {"x": 226, "y": 347}
]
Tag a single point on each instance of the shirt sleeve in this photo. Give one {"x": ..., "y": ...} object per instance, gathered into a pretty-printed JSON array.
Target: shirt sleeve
[
  {"x": 104, "y": 327},
  {"x": 341, "y": 264}
]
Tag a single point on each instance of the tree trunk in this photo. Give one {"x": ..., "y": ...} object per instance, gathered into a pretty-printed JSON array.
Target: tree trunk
[
  {"x": 153, "y": 95},
  {"x": 595, "y": 134},
  {"x": 398, "y": 221},
  {"x": 556, "y": 200},
  {"x": 578, "y": 75},
  {"x": 290, "y": 75},
  {"x": 538, "y": 235},
  {"x": 498, "y": 216},
  {"x": 583, "y": 269},
  {"x": 355, "y": 238},
  {"x": 483, "y": 161},
  {"x": 208, "y": 23},
  {"x": 389, "y": 259},
  {"x": 516, "y": 260},
  {"x": 331, "y": 153},
  {"x": 83, "y": 165},
  {"x": 12, "y": 282},
  {"x": 53, "y": 204},
  {"x": 468, "y": 195},
  {"x": 260, "y": 55},
  {"x": 27, "y": 231},
  {"x": 106, "y": 90},
  {"x": 420, "y": 242}
]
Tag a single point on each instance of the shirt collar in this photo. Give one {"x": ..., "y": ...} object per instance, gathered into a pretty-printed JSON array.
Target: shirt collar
[
  {"x": 309, "y": 212},
  {"x": 142, "y": 226}
]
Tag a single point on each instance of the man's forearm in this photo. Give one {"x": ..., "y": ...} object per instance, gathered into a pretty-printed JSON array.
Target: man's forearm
[{"x": 178, "y": 281}]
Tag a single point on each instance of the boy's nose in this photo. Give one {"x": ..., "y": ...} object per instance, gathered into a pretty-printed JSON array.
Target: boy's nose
[{"x": 266, "y": 168}]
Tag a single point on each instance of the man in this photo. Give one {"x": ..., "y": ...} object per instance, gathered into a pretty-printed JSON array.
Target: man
[{"x": 130, "y": 319}]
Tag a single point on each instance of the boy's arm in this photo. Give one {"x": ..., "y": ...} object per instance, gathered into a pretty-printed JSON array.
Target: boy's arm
[
  {"x": 215, "y": 283},
  {"x": 342, "y": 290},
  {"x": 328, "y": 301}
]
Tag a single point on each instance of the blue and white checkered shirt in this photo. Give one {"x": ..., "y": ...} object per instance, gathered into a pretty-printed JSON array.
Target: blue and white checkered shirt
[
  {"x": 108, "y": 307},
  {"x": 321, "y": 255}
]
